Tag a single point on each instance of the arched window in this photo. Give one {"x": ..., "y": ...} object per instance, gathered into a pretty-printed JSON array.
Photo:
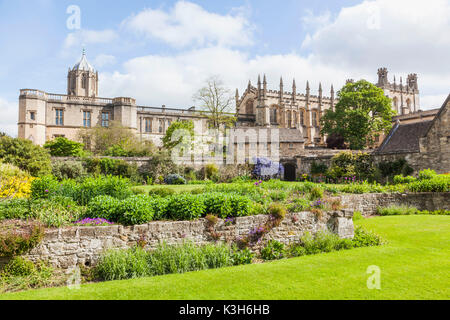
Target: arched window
[
  {"x": 289, "y": 119},
  {"x": 302, "y": 117},
  {"x": 408, "y": 104},
  {"x": 84, "y": 81},
  {"x": 395, "y": 104},
  {"x": 273, "y": 115},
  {"x": 314, "y": 119},
  {"x": 249, "y": 107}
]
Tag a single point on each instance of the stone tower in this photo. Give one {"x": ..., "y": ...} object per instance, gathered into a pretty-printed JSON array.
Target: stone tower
[{"x": 82, "y": 79}]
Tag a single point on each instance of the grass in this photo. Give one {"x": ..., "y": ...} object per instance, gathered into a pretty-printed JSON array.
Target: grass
[{"x": 414, "y": 264}]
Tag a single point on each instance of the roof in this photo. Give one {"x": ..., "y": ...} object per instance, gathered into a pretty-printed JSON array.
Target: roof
[
  {"x": 438, "y": 115},
  {"x": 84, "y": 65},
  {"x": 405, "y": 137}
]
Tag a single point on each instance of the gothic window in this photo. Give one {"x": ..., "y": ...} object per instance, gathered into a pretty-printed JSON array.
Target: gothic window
[
  {"x": 86, "y": 119},
  {"x": 105, "y": 119},
  {"x": 59, "y": 119},
  {"x": 408, "y": 104},
  {"x": 273, "y": 115},
  {"x": 84, "y": 81},
  {"x": 289, "y": 119},
  {"x": 314, "y": 118},
  {"x": 161, "y": 126},
  {"x": 396, "y": 104},
  {"x": 249, "y": 107},
  {"x": 302, "y": 117},
  {"x": 148, "y": 125}
]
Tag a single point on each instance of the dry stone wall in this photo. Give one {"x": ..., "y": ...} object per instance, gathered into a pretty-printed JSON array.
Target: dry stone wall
[
  {"x": 69, "y": 247},
  {"x": 367, "y": 204}
]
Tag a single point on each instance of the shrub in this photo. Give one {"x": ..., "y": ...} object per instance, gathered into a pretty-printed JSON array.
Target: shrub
[
  {"x": 136, "y": 210},
  {"x": 68, "y": 170},
  {"x": 63, "y": 147},
  {"x": 242, "y": 257},
  {"x": 278, "y": 195},
  {"x": 241, "y": 205},
  {"x": 266, "y": 169},
  {"x": 436, "y": 184},
  {"x": 25, "y": 155},
  {"x": 15, "y": 209},
  {"x": 90, "y": 188},
  {"x": 316, "y": 193},
  {"x": 56, "y": 212},
  {"x": 273, "y": 250},
  {"x": 365, "y": 238},
  {"x": 218, "y": 204},
  {"x": 17, "y": 242},
  {"x": 318, "y": 168},
  {"x": 44, "y": 187},
  {"x": 174, "y": 179},
  {"x": 399, "y": 179},
  {"x": 15, "y": 187},
  {"x": 277, "y": 210},
  {"x": 185, "y": 207},
  {"x": 427, "y": 174},
  {"x": 105, "y": 207},
  {"x": 161, "y": 192},
  {"x": 10, "y": 171},
  {"x": 19, "y": 267}
]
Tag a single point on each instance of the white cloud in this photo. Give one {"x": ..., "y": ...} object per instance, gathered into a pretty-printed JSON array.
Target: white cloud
[
  {"x": 172, "y": 80},
  {"x": 104, "y": 59},
  {"x": 189, "y": 24},
  {"x": 8, "y": 120},
  {"x": 86, "y": 37},
  {"x": 409, "y": 35}
]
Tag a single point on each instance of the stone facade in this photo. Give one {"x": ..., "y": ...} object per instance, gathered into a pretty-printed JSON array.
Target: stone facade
[
  {"x": 368, "y": 203},
  {"x": 261, "y": 107},
  {"x": 69, "y": 247}
]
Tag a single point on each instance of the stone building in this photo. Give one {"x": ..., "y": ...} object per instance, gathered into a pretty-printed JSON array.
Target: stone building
[
  {"x": 424, "y": 144},
  {"x": 261, "y": 107},
  {"x": 44, "y": 116}
]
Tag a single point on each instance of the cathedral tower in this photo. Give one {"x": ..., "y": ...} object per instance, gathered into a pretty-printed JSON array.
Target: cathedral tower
[{"x": 82, "y": 80}]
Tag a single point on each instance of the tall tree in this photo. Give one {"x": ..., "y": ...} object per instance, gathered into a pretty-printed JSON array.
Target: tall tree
[
  {"x": 186, "y": 128},
  {"x": 216, "y": 102},
  {"x": 362, "y": 113}
]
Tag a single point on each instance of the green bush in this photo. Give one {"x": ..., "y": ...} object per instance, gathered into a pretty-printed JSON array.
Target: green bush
[
  {"x": 218, "y": 204},
  {"x": 15, "y": 209},
  {"x": 397, "y": 210},
  {"x": 68, "y": 170},
  {"x": 56, "y": 212},
  {"x": 44, "y": 187},
  {"x": 185, "y": 207},
  {"x": 25, "y": 155},
  {"x": 316, "y": 193},
  {"x": 136, "y": 210},
  {"x": 105, "y": 207},
  {"x": 439, "y": 183},
  {"x": 318, "y": 168},
  {"x": 273, "y": 250},
  {"x": 15, "y": 243},
  {"x": 19, "y": 267},
  {"x": 90, "y": 188},
  {"x": 242, "y": 257},
  {"x": 400, "y": 179},
  {"x": 277, "y": 210},
  {"x": 427, "y": 174},
  {"x": 63, "y": 147},
  {"x": 365, "y": 238}
]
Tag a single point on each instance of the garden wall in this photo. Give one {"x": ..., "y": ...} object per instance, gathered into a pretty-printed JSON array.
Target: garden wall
[
  {"x": 69, "y": 247},
  {"x": 367, "y": 204}
]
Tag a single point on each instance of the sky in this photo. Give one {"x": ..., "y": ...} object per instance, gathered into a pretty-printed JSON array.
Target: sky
[{"x": 162, "y": 52}]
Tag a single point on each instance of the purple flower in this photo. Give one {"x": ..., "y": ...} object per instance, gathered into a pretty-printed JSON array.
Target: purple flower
[{"x": 46, "y": 191}]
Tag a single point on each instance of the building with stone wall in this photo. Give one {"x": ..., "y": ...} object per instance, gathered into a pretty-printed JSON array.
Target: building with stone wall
[{"x": 261, "y": 107}]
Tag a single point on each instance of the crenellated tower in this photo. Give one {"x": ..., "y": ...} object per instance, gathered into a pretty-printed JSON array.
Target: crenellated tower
[{"x": 82, "y": 79}]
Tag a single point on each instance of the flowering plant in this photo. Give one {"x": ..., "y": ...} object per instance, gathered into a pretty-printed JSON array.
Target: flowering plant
[{"x": 93, "y": 222}]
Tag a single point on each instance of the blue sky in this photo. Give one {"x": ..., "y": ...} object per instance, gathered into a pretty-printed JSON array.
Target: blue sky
[{"x": 161, "y": 52}]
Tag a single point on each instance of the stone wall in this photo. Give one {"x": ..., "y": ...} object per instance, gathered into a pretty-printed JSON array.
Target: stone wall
[
  {"x": 69, "y": 247},
  {"x": 368, "y": 203}
]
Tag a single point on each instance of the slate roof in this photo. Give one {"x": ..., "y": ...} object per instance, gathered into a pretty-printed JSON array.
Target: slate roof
[{"x": 405, "y": 137}]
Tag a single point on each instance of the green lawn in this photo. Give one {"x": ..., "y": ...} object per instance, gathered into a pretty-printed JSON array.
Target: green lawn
[{"x": 415, "y": 264}]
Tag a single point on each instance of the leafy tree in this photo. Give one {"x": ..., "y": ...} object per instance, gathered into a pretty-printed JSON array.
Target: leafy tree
[
  {"x": 216, "y": 102},
  {"x": 116, "y": 140},
  {"x": 170, "y": 142},
  {"x": 25, "y": 155},
  {"x": 63, "y": 147},
  {"x": 363, "y": 111}
]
